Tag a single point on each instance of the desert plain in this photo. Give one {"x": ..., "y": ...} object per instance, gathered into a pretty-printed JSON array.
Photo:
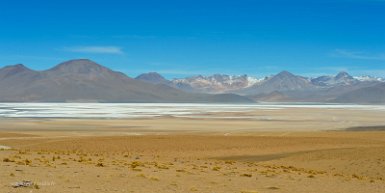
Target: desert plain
[{"x": 299, "y": 150}]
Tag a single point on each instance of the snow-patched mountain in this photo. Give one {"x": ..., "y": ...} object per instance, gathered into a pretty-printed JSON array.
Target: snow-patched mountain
[
  {"x": 283, "y": 81},
  {"x": 282, "y": 87},
  {"x": 342, "y": 78},
  {"x": 369, "y": 79},
  {"x": 248, "y": 85},
  {"x": 217, "y": 83}
]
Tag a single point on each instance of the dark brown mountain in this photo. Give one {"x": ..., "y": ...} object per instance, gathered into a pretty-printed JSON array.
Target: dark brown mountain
[{"x": 86, "y": 81}]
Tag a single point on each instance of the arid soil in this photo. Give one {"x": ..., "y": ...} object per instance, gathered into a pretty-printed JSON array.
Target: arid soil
[{"x": 193, "y": 155}]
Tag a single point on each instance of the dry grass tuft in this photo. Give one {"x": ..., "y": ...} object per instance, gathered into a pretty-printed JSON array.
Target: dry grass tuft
[
  {"x": 8, "y": 160},
  {"x": 216, "y": 168},
  {"x": 246, "y": 175},
  {"x": 100, "y": 164}
]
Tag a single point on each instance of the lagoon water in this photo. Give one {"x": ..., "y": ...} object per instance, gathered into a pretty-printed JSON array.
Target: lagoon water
[{"x": 143, "y": 110}]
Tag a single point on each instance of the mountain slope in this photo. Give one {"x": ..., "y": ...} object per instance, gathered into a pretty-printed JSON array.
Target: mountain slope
[
  {"x": 85, "y": 80},
  {"x": 274, "y": 96},
  {"x": 372, "y": 94}
]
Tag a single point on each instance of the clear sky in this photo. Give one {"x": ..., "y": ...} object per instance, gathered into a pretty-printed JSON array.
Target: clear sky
[{"x": 179, "y": 38}]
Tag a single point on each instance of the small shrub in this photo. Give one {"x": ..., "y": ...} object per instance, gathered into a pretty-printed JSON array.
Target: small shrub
[
  {"x": 99, "y": 164},
  {"x": 27, "y": 162},
  {"x": 247, "y": 175},
  {"x": 7, "y": 160},
  {"x": 36, "y": 186},
  {"x": 154, "y": 178}
]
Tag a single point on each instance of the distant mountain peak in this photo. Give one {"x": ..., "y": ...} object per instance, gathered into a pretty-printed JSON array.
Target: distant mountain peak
[
  {"x": 78, "y": 66},
  {"x": 154, "y": 74},
  {"x": 343, "y": 75},
  {"x": 13, "y": 69},
  {"x": 342, "y": 78},
  {"x": 78, "y": 62},
  {"x": 283, "y": 81},
  {"x": 152, "y": 77},
  {"x": 286, "y": 74},
  {"x": 16, "y": 66}
]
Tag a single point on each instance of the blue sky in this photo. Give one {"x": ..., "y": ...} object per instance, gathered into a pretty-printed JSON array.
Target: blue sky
[{"x": 181, "y": 38}]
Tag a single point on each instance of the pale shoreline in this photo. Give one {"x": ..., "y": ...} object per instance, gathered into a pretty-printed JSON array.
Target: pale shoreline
[{"x": 154, "y": 110}]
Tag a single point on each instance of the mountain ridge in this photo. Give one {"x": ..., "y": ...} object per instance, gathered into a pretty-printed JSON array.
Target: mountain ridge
[
  {"x": 85, "y": 80},
  {"x": 282, "y": 87}
]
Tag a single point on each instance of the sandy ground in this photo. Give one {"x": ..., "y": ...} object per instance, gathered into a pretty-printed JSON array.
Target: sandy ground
[{"x": 290, "y": 150}]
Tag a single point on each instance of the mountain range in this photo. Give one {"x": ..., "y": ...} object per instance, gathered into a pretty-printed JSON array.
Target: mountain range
[
  {"x": 83, "y": 80},
  {"x": 86, "y": 81},
  {"x": 282, "y": 87}
]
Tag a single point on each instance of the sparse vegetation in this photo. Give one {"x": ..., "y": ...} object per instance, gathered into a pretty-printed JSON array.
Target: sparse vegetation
[
  {"x": 198, "y": 168},
  {"x": 36, "y": 186},
  {"x": 247, "y": 175},
  {"x": 8, "y": 160},
  {"x": 100, "y": 164}
]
